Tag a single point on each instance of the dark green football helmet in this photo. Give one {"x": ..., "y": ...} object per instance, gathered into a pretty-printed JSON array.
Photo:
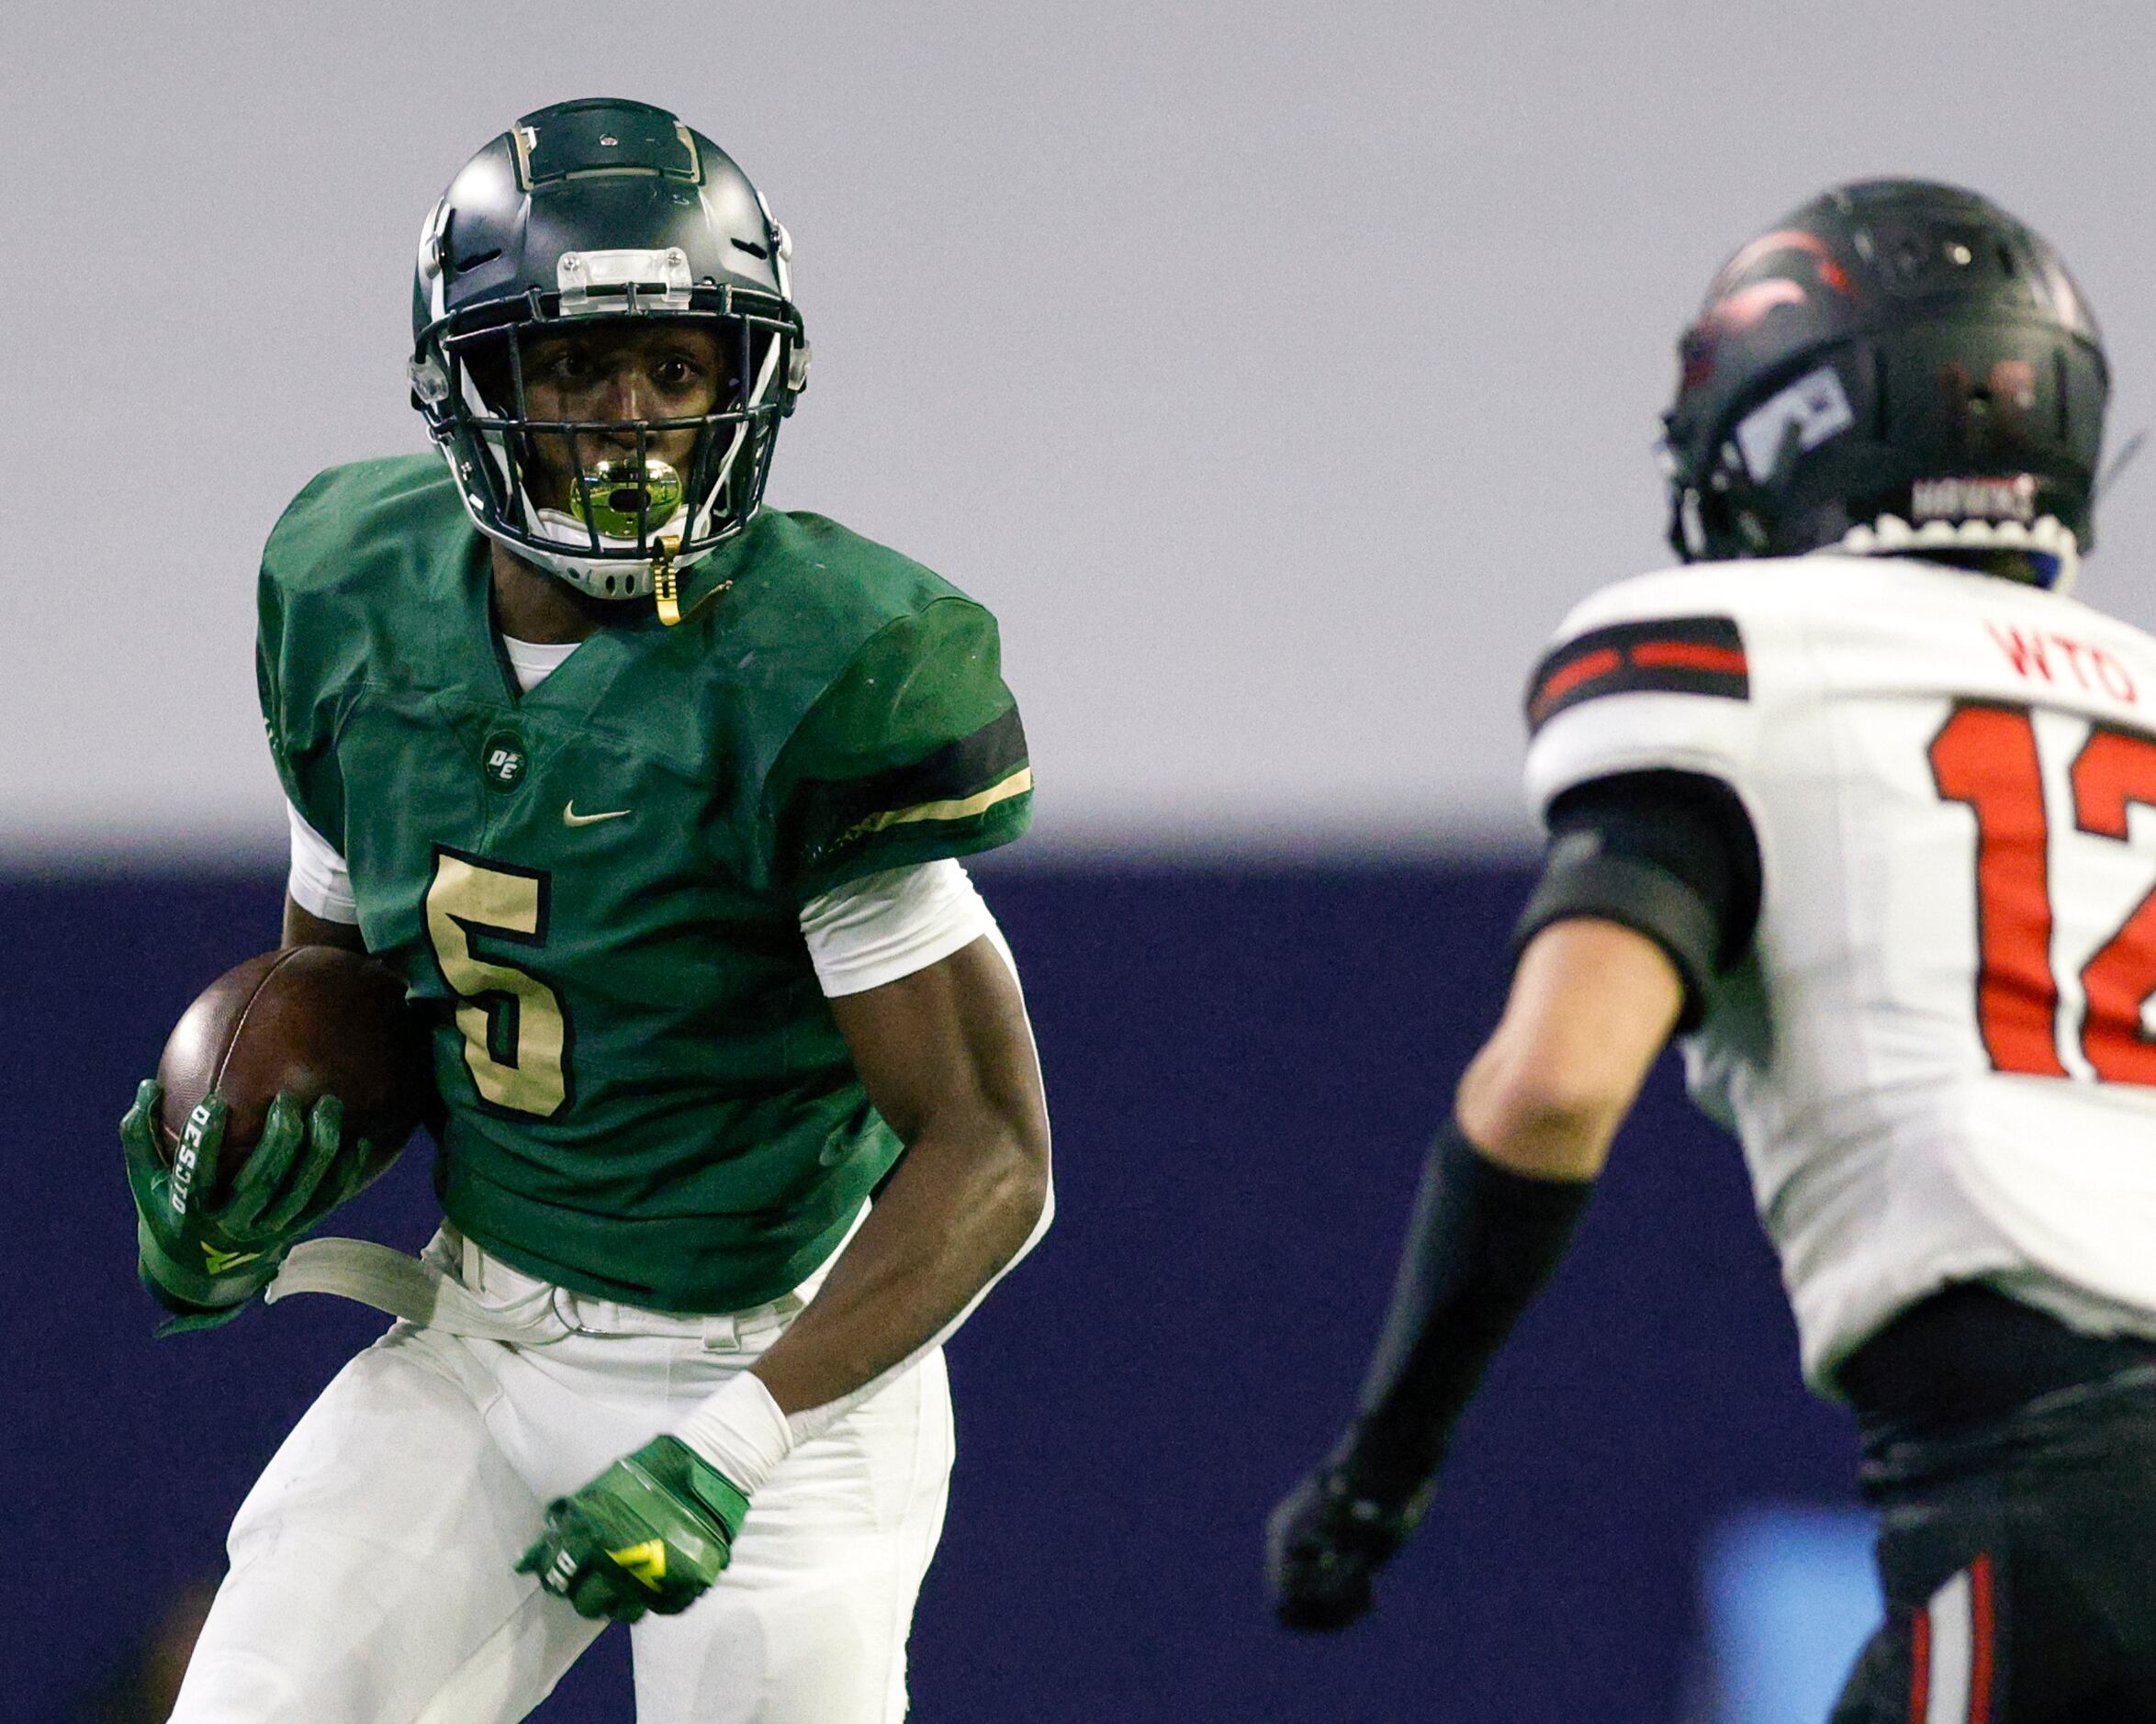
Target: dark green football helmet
[{"x": 584, "y": 216}]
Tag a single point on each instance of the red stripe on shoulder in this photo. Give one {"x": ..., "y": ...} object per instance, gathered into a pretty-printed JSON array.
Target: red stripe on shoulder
[
  {"x": 1692, "y": 656},
  {"x": 1569, "y": 675}
]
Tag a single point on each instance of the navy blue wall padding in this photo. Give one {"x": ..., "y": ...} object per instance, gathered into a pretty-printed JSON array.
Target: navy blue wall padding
[{"x": 1243, "y": 1068}]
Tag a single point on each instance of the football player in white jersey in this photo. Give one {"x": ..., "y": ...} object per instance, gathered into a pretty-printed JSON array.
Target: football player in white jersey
[{"x": 1860, "y": 805}]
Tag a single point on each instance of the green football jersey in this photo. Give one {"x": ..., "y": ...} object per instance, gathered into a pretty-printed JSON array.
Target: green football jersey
[{"x": 596, "y": 887}]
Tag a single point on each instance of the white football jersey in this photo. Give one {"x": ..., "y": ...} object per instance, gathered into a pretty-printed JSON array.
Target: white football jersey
[{"x": 1939, "y": 1054}]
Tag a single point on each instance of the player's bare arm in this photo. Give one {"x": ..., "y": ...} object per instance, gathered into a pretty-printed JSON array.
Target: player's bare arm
[
  {"x": 1650, "y": 892},
  {"x": 1591, "y": 1004},
  {"x": 947, "y": 1058}
]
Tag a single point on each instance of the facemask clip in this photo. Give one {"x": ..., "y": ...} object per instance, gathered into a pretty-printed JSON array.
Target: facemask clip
[{"x": 666, "y": 588}]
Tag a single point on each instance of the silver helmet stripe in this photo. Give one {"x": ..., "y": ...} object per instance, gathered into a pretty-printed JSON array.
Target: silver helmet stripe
[
  {"x": 431, "y": 260},
  {"x": 753, "y": 399}
]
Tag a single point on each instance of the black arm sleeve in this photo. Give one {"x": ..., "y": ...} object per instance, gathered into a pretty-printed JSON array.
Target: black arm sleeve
[
  {"x": 1670, "y": 854},
  {"x": 1483, "y": 1241}
]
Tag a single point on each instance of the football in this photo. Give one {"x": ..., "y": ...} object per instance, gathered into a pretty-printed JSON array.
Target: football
[{"x": 311, "y": 1020}]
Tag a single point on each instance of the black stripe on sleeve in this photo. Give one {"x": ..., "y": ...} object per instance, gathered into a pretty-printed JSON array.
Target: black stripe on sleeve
[
  {"x": 1702, "y": 655},
  {"x": 831, "y": 810}
]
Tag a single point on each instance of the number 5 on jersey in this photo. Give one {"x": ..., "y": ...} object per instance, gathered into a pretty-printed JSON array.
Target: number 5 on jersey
[
  {"x": 516, "y": 1035},
  {"x": 1985, "y": 755}
]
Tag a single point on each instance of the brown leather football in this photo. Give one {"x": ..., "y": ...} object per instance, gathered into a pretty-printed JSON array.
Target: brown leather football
[{"x": 311, "y": 1020}]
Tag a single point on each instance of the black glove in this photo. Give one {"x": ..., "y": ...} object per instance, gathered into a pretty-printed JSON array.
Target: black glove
[
  {"x": 1483, "y": 1240},
  {"x": 1332, "y": 1534}
]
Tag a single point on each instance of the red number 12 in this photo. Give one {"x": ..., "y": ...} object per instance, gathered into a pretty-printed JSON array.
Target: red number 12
[{"x": 1985, "y": 755}]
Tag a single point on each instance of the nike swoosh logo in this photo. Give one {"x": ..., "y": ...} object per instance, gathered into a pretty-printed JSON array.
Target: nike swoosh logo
[
  {"x": 645, "y": 1561},
  {"x": 570, "y": 817}
]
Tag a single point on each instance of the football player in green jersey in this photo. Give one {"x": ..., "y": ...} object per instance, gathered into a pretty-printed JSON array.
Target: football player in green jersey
[{"x": 655, "y": 796}]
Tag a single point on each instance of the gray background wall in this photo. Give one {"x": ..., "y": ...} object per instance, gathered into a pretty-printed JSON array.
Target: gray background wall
[{"x": 1279, "y": 372}]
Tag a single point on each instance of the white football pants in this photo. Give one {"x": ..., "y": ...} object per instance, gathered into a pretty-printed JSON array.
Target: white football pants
[{"x": 372, "y": 1564}]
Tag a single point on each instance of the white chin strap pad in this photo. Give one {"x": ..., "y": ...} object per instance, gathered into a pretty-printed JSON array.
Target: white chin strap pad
[
  {"x": 1890, "y": 535},
  {"x": 602, "y": 577}
]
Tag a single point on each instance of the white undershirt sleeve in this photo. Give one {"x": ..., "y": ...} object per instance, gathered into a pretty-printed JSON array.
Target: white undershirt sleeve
[
  {"x": 864, "y": 934},
  {"x": 883, "y": 926},
  {"x": 318, "y": 882}
]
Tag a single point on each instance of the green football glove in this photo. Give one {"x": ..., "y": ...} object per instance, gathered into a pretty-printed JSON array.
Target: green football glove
[
  {"x": 649, "y": 1533},
  {"x": 203, "y": 1262}
]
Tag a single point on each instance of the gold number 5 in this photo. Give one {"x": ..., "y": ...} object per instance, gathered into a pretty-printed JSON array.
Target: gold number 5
[{"x": 515, "y": 1035}]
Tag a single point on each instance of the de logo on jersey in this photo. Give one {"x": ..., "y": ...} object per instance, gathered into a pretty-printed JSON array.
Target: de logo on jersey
[{"x": 503, "y": 760}]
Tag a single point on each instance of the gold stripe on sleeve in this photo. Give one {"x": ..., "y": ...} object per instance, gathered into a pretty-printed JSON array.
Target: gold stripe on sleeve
[{"x": 957, "y": 808}]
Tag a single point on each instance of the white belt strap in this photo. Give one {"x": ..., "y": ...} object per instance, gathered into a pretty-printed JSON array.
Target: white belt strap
[{"x": 402, "y": 1286}]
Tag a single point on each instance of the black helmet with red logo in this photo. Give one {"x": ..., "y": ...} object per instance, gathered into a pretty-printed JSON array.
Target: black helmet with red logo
[{"x": 1898, "y": 367}]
